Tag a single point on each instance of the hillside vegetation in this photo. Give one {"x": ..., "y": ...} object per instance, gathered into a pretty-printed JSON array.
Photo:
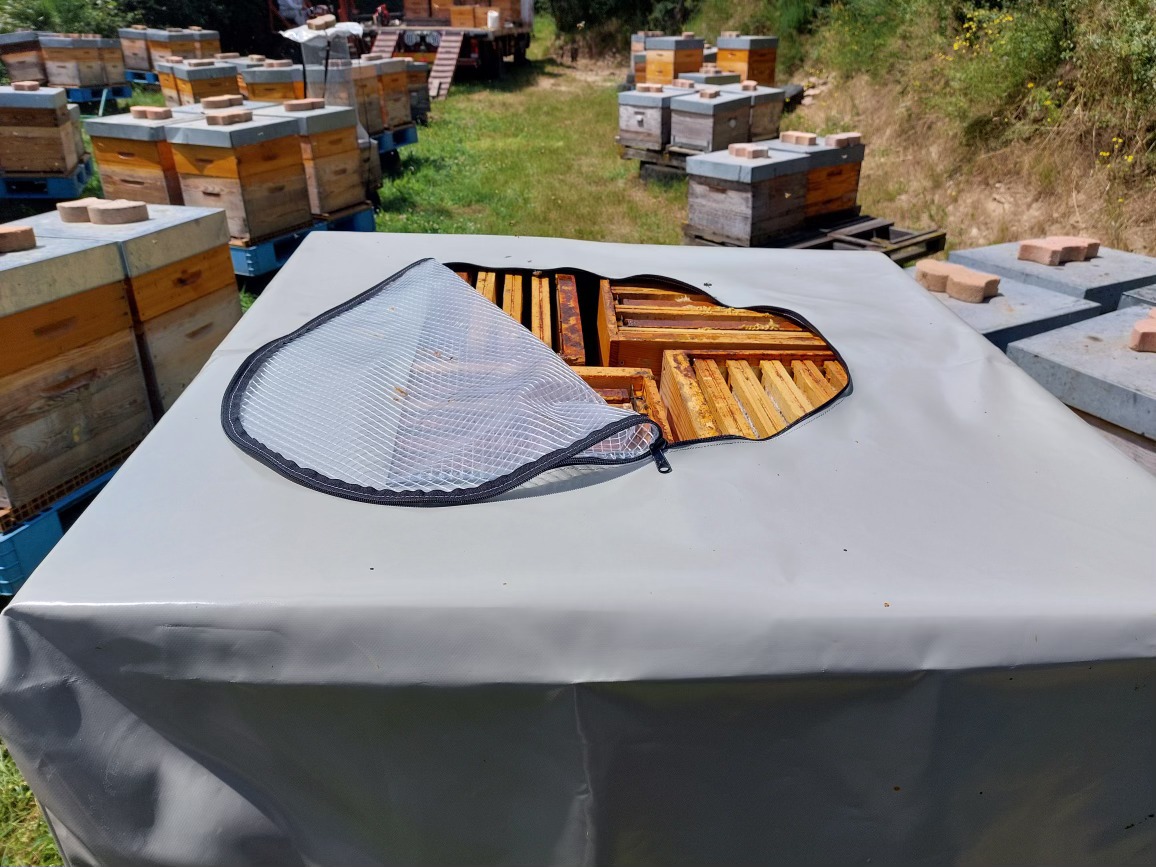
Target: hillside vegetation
[{"x": 997, "y": 120}]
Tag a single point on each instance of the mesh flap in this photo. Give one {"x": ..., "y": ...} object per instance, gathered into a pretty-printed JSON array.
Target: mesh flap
[{"x": 422, "y": 392}]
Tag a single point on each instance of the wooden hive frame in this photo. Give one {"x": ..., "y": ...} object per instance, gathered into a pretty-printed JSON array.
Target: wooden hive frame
[
  {"x": 638, "y": 322},
  {"x": 633, "y": 388},
  {"x": 746, "y": 394}
]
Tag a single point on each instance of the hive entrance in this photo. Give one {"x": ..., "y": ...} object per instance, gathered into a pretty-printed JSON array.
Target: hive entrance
[{"x": 697, "y": 368}]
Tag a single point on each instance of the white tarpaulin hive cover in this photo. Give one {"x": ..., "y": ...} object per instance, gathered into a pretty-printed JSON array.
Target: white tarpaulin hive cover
[{"x": 918, "y": 627}]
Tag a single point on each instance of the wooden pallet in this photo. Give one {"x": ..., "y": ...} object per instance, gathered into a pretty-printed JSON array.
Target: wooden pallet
[{"x": 751, "y": 395}]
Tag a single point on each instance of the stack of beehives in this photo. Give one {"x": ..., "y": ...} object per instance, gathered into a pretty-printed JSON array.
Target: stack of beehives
[
  {"x": 754, "y": 192},
  {"x": 273, "y": 81},
  {"x": 246, "y": 163},
  {"x": 466, "y": 15},
  {"x": 39, "y": 130},
  {"x": 698, "y": 369},
  {"x": 177, "y": 279},
  {"x": 21, "y": 55},
  {"x": 72, "y": 392},
  {"x": 80, "y": 60}
]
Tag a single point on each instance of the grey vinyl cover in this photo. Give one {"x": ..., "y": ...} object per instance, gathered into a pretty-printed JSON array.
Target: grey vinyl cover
[{"x": 917, "y": 629}]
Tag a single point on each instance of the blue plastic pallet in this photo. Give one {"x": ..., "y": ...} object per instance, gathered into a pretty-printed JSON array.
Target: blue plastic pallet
[
  {"x": 266, "y": 256},
  {"x": 18, "y": 186},
  {"x": 137, "y": 76},
  {"x": 392, "y": 139},
  {"x": 96, "y": 94},
  {"x": 22, "y": 548}
]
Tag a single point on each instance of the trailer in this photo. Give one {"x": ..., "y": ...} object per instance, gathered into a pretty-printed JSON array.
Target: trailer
[{"x": 448, "y": 49}]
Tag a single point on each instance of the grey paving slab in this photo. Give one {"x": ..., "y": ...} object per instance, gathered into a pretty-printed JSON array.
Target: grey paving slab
[
  {"x": 1089, "y": 366},
  {"x": 1103, "y": 279}
]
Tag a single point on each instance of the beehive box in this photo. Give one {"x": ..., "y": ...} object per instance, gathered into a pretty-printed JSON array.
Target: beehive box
[
  {"x": 197, "y": 79},
  {"x": 632, "y": 388},
  {"x": 415, "y": 9},
  {"x": 206, "y": 42},
  {"x": 832, "y": 174},
  {"x": 112, "y": 59},
  {"x": 240, "y": 64},
  {"x": 644, "y": 116},
  {"x": 135, "y": 47},
  {"x": 417, "y": 82},
  {"x": 462, "y": 16},
  {"x": 709, "y": 120},
  {"x": 394, "y": 87},
  {"x": 766, "y": 107},
  {"x": 638, "y": 67},
  {"x": 73, "y": 391},
  {"x": 638, "y": 321},
  {"x": 745, "y": 394},
  {"x": 752, "y": 57},
  {"x": 169, "y": 42},
  {"x": 247, "y": 164},
  {"x": 327, "y": 136},
  {"x": 37, "y": 132},
  {"x": 354, "y": 84},
  {"x": 134, "y": 157},
  {"x": 167, "y": 80},
  {"x": 744, "y": 201},
  {"x": 667, "y": 57},
  {"x": 181, "y": 288},
  {"x": 74, "y": 61},
  {"x": 21, "y": 56},
  {"x": 274, "y": 81}
]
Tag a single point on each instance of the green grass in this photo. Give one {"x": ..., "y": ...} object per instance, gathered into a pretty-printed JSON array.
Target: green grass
[
  {"x": 24, "y": 838},
  {"x": 534, "y": 155}
]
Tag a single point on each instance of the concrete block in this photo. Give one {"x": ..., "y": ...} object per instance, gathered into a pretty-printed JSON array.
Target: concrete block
[
  {"x": 1019, "y": 311},
  {"x": 1089, "y": 367},
  {"x": 1103, "y": 279}
]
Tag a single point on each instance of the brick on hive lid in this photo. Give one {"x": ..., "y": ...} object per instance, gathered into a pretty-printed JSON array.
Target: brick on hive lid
[
  {"x": 228, "y": 117},
  {"x": 303, "y": 104},
  {"x": 116, "y": 212},
  {"x": 138, "y": 27},
  {"x": 709, "y": 93},
  {"x": 1084, "y": 248},
  {"x": 158, "y": 112},
  {"x": 278, "y": 64},
  {"x": 1143, "y": 337},
  {"x": 194, "y": 28},
  {"x": 729, "y": 34},
  {"x": 75, "y": 211},
  {"x": 650, "y": 88},
  {"x": 322, "y": 22},
  {"x": 966, "y": 284},
  {"x": 932, "y": 274},
  {"x": 797, "y": 137},
  {"x": 749, "y": 84},
  {"x": 13, "y": 239},
  {"x": 26, "y": 85},
  {"x": 1057, "y": 250},
  {"x": 174, "y": 58},
  {"x": 688, "y": 34},
  {"x": 748, "y": 151},
  {"x": 227, "y": 55},
  {"x": 140, "y": 111},
  {"x": 372, "y": 58},
  {"x": 200, "y": 62},
  {"x": 844, "y": 139},
  {"x": 215, "y": 103},
  {"x": 684, "y": 83},
  {"x": 257, "y": 58}
]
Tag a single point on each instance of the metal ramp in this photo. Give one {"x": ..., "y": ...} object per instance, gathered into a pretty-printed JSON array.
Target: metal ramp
[
  {"x": 445, "y": 62},
  {"x": 386, "y": 42}
]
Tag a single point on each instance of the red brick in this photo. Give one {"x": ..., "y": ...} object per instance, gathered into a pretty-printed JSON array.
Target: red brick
[
  {"x": 1144, "y": 335},
  {"x": 13, "y": 239}
]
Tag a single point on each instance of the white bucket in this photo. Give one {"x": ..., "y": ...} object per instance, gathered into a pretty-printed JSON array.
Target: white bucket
[{"x": 493, "y": 19}]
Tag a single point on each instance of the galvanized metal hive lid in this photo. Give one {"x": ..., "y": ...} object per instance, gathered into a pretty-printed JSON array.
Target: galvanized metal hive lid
[
  {"x": 748, "y": 42},
  {"x": 722, "y": 166},
  {"x": 422, "y": 392}
]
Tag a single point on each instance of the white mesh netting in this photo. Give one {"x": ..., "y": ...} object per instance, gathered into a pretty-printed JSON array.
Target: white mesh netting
[{"x": 421, "y": 385}]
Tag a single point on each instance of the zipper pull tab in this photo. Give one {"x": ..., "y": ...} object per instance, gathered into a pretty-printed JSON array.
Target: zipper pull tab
[{"x": 659, "y": 455}]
